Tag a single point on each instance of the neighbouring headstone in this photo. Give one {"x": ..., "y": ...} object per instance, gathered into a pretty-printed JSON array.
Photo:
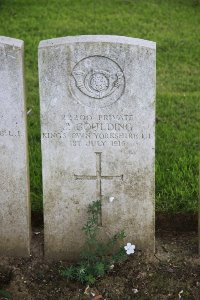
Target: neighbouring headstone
[
  {"x": 98, "y": 117},
  {"x": 14, "y": 181}
]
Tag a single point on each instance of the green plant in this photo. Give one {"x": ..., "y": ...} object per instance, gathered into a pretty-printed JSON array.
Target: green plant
[
  {"x": 5, "y": 294},
  {"x": 97, "y": 257}
]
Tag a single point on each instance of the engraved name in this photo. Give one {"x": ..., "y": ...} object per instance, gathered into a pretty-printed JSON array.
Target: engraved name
[{"x": 99, "y": 130}]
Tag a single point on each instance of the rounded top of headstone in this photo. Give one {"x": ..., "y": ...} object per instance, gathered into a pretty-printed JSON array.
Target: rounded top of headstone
[
  {"x": 97, "y": 38},
  {"x": 11, "y": 42}
]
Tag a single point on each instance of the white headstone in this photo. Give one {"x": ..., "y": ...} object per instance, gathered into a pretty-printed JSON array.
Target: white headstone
[
  {"x": 98, "y": 116},
  {"x": 14, "y": 183}
]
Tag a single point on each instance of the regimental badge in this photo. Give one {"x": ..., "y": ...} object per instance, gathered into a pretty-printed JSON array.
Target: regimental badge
[{"x": 97, "y": 81}]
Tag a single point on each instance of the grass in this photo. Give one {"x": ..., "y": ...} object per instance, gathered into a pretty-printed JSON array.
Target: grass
[{"x": 174, "y": 25}]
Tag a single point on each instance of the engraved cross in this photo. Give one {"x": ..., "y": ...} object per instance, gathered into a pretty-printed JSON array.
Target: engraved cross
[{"x": 98, "y": 177}]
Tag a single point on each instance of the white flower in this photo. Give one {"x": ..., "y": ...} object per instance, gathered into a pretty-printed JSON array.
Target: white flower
[
  {"x": 179, "y": 294},
  {"x": 111, "y": 199},
  {"x": 129, "y": 248}
]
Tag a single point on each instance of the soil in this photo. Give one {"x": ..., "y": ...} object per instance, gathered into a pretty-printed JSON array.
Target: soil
[{"x": 172, "y": 273}]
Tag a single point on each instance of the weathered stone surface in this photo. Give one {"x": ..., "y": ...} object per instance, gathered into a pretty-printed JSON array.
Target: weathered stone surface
[
  {"x": 14, "y": 182},
  {"x": 97, "y": 114}
]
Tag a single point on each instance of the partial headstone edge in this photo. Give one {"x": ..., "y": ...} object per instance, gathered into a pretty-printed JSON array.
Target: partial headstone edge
[{"x": 12, "y": 42}]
